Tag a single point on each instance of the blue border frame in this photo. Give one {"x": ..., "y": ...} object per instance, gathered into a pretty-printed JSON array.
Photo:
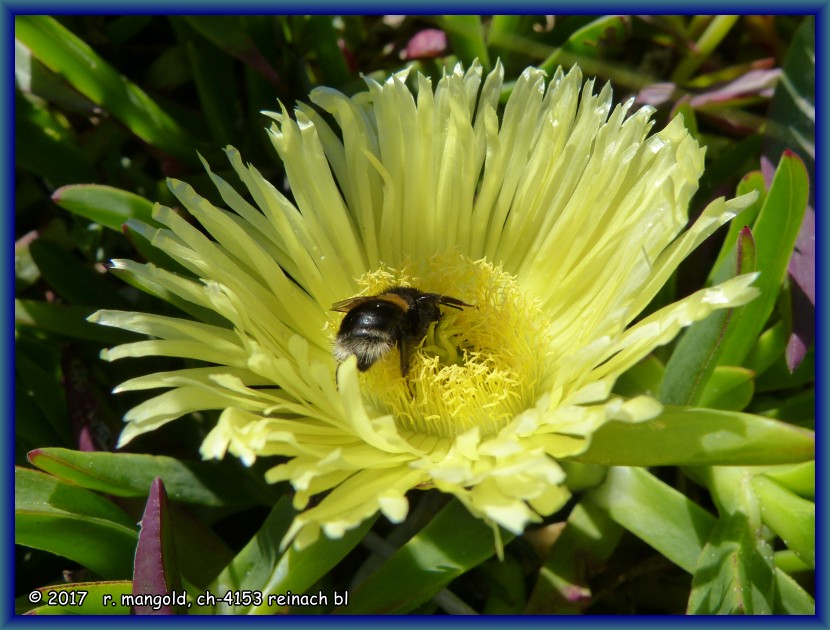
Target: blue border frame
[{"x": 17, "y": 7}]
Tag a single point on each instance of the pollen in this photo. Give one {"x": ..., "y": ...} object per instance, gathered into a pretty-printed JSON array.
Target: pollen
[{"x": 476, "y": 367}]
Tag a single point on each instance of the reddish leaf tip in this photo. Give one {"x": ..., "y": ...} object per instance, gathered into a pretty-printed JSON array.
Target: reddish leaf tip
[{"x": 34, "y": 454}]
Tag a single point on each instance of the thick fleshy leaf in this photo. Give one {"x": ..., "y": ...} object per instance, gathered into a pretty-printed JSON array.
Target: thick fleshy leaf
[
  {"x": 252, "y": 567},
  {"x": 732, "y": 163},
  {"x": 296, "y": 571},
  {"x": 769, "y": 347},
  {"x": 330, "y": 58},
  {"x": 507, "y": 34},
  {"x": 79, "y": 598},
  {"x": 725, "y": 262},
  {"x": 67, "y": 321},
  {"x": 453, "y": 543},
  {"x": 111, "y": 207},
  {"x": 789, "y": 516},
  {"x": 735, "y": 573},
  {"x": 69, "y": 56},
  {"x": 74, "y": 523},
  {"x": 228, "y": 34},
  {"x": 644, "y": 378},
  {"x": 156, "y": 568},
  {"x": 728, "y": 388},
  {"x": 41, "y": 385},
  {"x": 214, "y": 72},
  {"x": 39, "y": 150},
  {"x": 791, "y": 598},
  {"x": 800, "y": 478},
  {"x": 695, "y": 358},
  {"x": 775, "y": 231},
  {"x": 129, "y": 475},
  {"x": 588, "y": 540},
  {"x": 202, "y": 552},
  {"x": 695, "y": 55},
  {"x": 466, "y": 35},
  {"x": 657, "y": 513},
  {"x": 73, "y": 280},
  {"x": 590, "y": 41},
  {"x": 792, "y": 111},
  {"x": 683, "y": 436}
]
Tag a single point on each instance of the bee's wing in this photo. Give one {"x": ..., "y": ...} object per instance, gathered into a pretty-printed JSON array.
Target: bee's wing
[{"x": 344, "y": 306}]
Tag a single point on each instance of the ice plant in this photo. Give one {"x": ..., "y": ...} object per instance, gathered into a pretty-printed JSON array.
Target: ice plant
[{"x": 559, "y": 221}]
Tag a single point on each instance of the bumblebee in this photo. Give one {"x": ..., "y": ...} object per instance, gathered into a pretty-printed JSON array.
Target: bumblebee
[{"x": 373, "y": 325}]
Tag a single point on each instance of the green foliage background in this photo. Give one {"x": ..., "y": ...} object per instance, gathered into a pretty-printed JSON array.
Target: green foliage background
[{"x": 663, "y": 522}]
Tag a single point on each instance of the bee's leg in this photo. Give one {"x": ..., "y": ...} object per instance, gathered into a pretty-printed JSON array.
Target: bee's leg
[{"x": 403, "y": 349}]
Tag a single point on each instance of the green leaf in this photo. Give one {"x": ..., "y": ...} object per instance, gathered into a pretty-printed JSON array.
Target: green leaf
[
  {"x": 252, "y": 567},
  {"x": 214, "y": 74},
  {"x": 452, "y": 543},
  {"x": 74, "y": 523},
  {"x": 696, "y": 355},
  {"x": 330, "y": 58},
  {"x": 588, "y": 42},
  {"x": 202, "y": 553},
  {"x": 792, "y": 111},
  {"x": 778, "y": 377},
  {"x": 229, "y": 34},
  {"x": 111, "y": 207},
  {"x": 68, "y": 321},
  {"x": 588, "y": 540},
  {"x": 297, "y": 571},
  {"x": 728, "y": 388},
  {"x": 656, "y": 513},
  {"x": 732, "y": 163},
  {"x": 725, "y": 262},
  {"x": 789, "y": 516},
  {"x": 45, "y": 390},
  {"x": 769, "y": 347},
  {"x": 735, "y": 573},
  {"x": 38, "y": 149},
  {"x": 715, "y": 32},
  {"x": 81, "y": 598},
  {"x": 800, "y": 478},
  {"x": 644, "y": 378},
  {"x": 683, "y": 436},
  {"x": 69, "y": 56},
  {"x": 508, "y": 37},
  {"x": 790, "y": 598},
  {"x": 775, "y": 231},
  {"x": 129, "y": 475},
  {"x": 799, "y": 409},
  {"x": 71, "y": 279},
  {"x": 466, "y": 36},
  {"x": 790, "y": 563}
]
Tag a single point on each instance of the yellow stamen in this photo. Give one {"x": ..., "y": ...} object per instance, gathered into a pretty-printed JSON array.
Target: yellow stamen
[{"x": 477, "y": 367}]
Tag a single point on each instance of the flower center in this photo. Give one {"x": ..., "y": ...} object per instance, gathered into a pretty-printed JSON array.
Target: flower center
[{"x": 476, "y": 367}]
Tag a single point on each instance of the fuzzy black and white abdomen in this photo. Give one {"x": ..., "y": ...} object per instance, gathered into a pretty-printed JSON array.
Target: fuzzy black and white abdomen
[{"x": 369, "y": 332}]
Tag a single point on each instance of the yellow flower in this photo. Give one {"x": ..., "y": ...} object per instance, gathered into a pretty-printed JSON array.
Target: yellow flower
[{"x": 559, "y": 221}]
